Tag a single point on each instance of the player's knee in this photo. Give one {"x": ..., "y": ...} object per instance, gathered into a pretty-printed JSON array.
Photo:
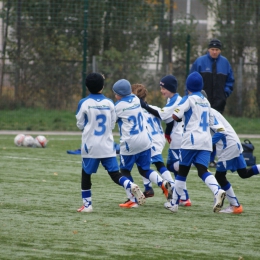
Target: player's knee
[
  {"x": 159, "y": 165},
  {"x": 142, "y": 172},
  {"x": 201, "y": 169},
  {"x": 242, "y": 173},
  {"x": 183, "y": 170},
  {"x": 115, "y": 176}
]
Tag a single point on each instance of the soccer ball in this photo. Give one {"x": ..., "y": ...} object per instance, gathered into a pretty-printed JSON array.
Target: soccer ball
[
  {"x": 18, "y": 140},
  {"x": 28, "y": 141},
  {"x": 40, "y": 141}
]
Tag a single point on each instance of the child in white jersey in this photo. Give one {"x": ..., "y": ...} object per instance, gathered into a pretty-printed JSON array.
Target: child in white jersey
[
  {"x": 195, "y": 111},
  {"x": 156, "y": 131},
  {"x": 229, "y": 153},
  {"x": 96, "y": 118},
  {"x": 135, "y": 141},
  {"x": 173, "y": 131}
]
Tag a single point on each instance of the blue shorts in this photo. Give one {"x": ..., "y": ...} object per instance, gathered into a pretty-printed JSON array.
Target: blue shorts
[
  {"x": 173, "y": 156},
  {"x": 189, "y": 157},
  {"x": 232, "y": 165},
  {"x": 142, "y": 160},
  {"x": 157, "y": 158},
  {"x": 90, "y": 165}
]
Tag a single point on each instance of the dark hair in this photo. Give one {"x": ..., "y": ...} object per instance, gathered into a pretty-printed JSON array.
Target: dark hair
[{"x": 94, "y": 82}]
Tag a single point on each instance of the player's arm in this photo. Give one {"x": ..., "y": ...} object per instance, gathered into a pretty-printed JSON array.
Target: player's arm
[
  {"x": 168, "y": 130},
  {"x": 218, "y": 131},
  {"x": 229, "y": 82},
  {"x": 182, "y": 107},
  {"x": 80, "y": 117},
  {"x": 149, "y": 109}
]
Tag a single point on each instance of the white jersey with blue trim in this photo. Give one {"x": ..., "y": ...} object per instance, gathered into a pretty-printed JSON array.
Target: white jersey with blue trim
[
  {"x": 195, "y": 111},
  {"x": 96, "y": 118},
  {"x": 133, "y": 129},
  {"x": 228, "y": 145},
  {"x": 156, "y": 131},
  {"x": 166, "y": 115}
]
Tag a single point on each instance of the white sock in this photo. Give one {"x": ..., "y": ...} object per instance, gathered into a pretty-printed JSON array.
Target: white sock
[
  {"x": 168, "y": 177},
  {"x": 86, "y": 197},
  {"x": 212, "y": 183},
  {"x": 184, "y": 194},
  {"x": 178, "y": 190},
  {"x": 232, "y": 197},
  {"x": 147, "y": 183},
  {"x": 155, "y": 178}
]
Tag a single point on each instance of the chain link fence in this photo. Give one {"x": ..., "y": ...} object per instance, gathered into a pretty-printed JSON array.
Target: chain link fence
[{"x": 48, "y": 47}]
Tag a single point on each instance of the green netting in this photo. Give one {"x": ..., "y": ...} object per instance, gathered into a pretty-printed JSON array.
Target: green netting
[{"x": 48, "y": 47}]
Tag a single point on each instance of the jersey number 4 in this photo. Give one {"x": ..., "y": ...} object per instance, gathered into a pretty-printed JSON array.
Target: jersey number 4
[{"x": 204, "y": 121}]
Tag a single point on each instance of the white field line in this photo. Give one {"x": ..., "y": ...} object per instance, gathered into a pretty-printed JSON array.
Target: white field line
[{"x": 40, "y": 159}]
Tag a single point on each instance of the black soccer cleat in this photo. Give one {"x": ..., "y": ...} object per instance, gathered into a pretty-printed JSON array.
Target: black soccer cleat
[{"x": 149, "y": 193}]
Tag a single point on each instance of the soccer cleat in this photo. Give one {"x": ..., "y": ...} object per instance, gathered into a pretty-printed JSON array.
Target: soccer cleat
[
  {"x": 85, "y": 209},
  {"x": 149, "y": 193},
  {"x": 185, "y": 203},
  {"x": 172, "y": 208},
  {"x": 167, "y": 190},
  {"x": 212, "y": 164},
  {"x": 219, "y": 200},
  {"x": 135, "y": 190},
  {"x": 232, "y": 209},
  {"x": 128, "y": 204}
]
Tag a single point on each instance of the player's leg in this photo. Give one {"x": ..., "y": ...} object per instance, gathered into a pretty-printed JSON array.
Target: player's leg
[
  {"x": 201, "y": 161},
  {"x": 160, "y": 166},
  {"x": 173, "y": 166},
  {"x": 245, "y": 172},
  {"x": 86, "y": 193},
  {"x": 124, "y": 179},
  {"x": 212, "y": 157},
  {"x": 89, "y": 166},
  {"x": 173, "y": 161},
  {"x": 131, "y": 201},
  {"x": 234, "y": 206},
  {"x": 143, "y": 160}
]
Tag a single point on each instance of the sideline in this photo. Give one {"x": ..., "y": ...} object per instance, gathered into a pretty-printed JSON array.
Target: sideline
[{"x": 11, "y": 132}]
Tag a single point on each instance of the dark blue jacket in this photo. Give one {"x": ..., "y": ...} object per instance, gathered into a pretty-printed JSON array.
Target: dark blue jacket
[{"x": 218, "y": 88}]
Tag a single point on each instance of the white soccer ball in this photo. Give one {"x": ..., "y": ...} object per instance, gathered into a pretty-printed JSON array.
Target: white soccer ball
[
  {"x": 40, "y": 141},
  {"x": 18, "y": 140},
  {"x": 28, "y": 141}
]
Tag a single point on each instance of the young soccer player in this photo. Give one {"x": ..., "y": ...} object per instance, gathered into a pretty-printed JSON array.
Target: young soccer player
[
  {"x": 96, "y": 118},
  {"x": 156, "y": 131},
  {"x": 135, "y": 141},
  {"x": 195, "y": 111},
  {"x": 174, "y": 130},
  {"x": 230, "y": 157}
]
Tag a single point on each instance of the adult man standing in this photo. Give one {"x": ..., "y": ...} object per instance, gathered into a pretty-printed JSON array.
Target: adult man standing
[{"x": 217, "y": 75}]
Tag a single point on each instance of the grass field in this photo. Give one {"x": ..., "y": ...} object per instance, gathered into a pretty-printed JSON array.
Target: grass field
[{"x": 40, "y": 192}]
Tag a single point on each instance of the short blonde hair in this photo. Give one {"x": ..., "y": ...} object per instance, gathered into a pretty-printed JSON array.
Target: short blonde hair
[{"x": 139, "y": 90}]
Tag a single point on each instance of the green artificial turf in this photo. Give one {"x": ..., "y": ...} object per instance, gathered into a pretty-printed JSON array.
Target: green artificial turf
[{"x": 40, "y": 192}]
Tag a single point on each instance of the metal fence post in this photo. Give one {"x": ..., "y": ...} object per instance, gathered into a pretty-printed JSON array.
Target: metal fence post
[
  {"x": 85, "y": 38},
  {"x": 188, "y": 56}
]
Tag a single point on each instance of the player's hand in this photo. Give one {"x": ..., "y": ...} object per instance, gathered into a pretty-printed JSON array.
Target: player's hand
[
  {"x": 143, "y": 103},
  {"x": 168, "y": 138},
  {"x": 174, "y": 117}
]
